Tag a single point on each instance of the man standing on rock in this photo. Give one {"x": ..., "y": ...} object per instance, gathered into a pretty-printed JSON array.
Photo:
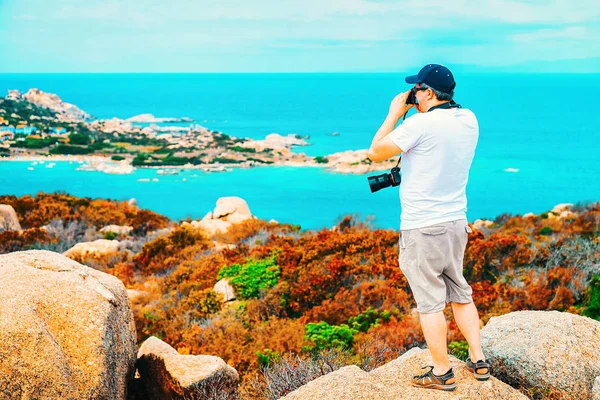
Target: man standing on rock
[{"x": 437, "y": 145}]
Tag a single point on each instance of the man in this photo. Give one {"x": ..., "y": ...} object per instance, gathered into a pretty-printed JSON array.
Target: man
[{"x": 437, "y": 145}]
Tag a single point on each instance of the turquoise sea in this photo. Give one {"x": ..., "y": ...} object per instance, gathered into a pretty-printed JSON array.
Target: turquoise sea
[{"x": 544, "y": 128}]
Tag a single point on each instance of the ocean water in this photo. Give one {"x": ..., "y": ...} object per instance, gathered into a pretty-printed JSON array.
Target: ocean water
[{"x": 538, "y": 142}]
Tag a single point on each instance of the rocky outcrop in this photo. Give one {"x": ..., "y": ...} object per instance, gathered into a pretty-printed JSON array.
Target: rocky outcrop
[
  {"x": 232, "y": 209},
  {"x": 392, "y": 382},
  {"x": 548, "y": 351},
  {"x": 229, "y": 211},
  {"x": 275, "y": 141},
  {"x": 8, "y": 219},
  {"x": 118, "y": 229},
  {"x": 97, "y": 247},
  {"x": 166, "y": 374},
  {"x": 132, "y": 202},
  {"x": 225, "y": 288},
  {"x": 65, "y": 111},
  {"x": 559, "y": 208},
  {"x": 66, "y": 330},
  {"x": 149, "y": 118},
  {"x": 481, "y": 224},
  {"x": 356, "y": 162}
]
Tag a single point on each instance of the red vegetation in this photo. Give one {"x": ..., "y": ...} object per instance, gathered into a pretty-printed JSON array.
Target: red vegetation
[{"x": 329, "y": 275}]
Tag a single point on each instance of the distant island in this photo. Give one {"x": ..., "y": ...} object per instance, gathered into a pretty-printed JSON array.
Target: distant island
[{"x": 37, "y": 126}]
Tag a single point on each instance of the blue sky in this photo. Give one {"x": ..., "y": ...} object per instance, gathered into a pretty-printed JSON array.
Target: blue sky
[{"x": 298, "y": 35}]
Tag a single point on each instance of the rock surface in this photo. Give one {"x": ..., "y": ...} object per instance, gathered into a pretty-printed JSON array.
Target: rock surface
[
  {"x": 225, "y": 288},
  {"x": 480, "y": 224},
  {"x": 229, "y": 211},
  {"x": 8, "y": 219},
  {"x": 66, "y": 330},
  {"x": 118, "y": 229},
  {"x": 551, "y": 351},
  {"x": 392, "y": 382},
  {"x": 596, "y": 389},
  {"x": 166, "y": 374},
  {"x": 97, "y": 247},
  {"x": 65, "y": 111}
]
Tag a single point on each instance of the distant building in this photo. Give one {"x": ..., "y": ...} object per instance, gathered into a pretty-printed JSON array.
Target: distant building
[
  {"x": 3, "y": 121},
  {"x": 25, "y": 130},
  {"x": 59, "y": 130},
  {"x": 6, "y": 136}
]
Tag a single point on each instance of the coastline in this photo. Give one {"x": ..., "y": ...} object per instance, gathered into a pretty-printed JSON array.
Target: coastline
[{"x": 107, "y": 165}]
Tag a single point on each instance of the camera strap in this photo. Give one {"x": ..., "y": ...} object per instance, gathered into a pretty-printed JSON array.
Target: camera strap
[{"x": 445, "y": 106}]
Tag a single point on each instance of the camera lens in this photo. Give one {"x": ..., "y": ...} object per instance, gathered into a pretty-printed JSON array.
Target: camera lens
[{"x": 378, "y": 182}]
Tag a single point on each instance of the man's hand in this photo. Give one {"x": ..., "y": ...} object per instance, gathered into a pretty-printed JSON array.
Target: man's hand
[{"x": 398, "y": 106}]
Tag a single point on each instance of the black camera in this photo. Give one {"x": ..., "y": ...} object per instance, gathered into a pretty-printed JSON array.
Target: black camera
[
  {"x": 411, "y": 99},
  {"x": 384, "y": 180}
]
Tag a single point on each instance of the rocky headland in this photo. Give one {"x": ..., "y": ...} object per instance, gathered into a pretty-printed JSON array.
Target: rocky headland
[{"x": 40, "y": 126}]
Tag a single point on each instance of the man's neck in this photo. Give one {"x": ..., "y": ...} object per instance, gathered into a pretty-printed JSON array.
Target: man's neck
[{"x": 437, "y": 103}]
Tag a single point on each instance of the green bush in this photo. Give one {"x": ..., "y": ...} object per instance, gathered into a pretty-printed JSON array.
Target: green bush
[
  {"x": 224, "y": 160},
  {"x": 460, "y": 350},
  {"x": 593, "y": 308},
  {"x": 369, "y": 318},
  {"x": 33, "y": 143},
  {"x": 545, "y": 231},
  {"x": 321, "y": 160},
  {"x": 66, "y": 149},
  {"x": 243, "y": 149},
  {"x": 250, "y": 279},
  {"x": 110, "y": 235},
  {"x": 326, "y": 336},
  {"x": 139, "y": 159},
  {"x": 78, "y": 138},
  {"x": 117, "y": 158},
  {"x": 267, "y": 358}
]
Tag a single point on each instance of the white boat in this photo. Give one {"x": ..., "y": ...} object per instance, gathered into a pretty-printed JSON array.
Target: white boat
[
  {"x": 167, "y": 172},
  {"x": 511, "y": 170},
  {"x": 31, "y": 168},
  {"x": 143, "y": 180},
  {"x": 154, "y": 179},
  {"x": 184, "y": 180}
]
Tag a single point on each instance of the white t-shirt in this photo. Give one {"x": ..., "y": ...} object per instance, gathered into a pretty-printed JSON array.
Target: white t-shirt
[{"x": 438, "y": 150}]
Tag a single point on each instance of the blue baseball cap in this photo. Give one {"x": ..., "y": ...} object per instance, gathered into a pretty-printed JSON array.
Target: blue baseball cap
[{"x": 436, "y": 76}]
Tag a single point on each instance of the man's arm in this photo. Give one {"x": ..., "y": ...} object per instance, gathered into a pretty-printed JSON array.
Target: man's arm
[{"x": 382, "y": 146}]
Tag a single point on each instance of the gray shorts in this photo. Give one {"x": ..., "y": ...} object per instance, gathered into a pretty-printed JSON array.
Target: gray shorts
[{"x": 431, "y": 258}]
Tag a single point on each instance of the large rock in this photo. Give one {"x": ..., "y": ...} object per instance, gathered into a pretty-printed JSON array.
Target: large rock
[
  {"x": 66, "y": 330},
  {"x": 8, "y": 219},
  {"x": 232, "y": 209},
  {"x": 229, "y": 211},
  {"x": 225, "y": 288},
  {"x": 557, "y": 353},
  {"x": 392, "y": 381},
  {"x": 97, "y": 247},
  {"x": 166, "y": 374},
  {"x": 118, "y": 229}
]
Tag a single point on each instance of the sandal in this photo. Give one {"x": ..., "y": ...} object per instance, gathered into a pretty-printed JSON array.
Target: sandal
[
  {"x": 431, "y": 381},
  {"x": 481, "y": 369}
]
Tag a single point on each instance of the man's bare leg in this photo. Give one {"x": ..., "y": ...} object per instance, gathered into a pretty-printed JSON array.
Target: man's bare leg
[
  {"x": 436, "y": 335},
  {"x": 467, "y": 319}
]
